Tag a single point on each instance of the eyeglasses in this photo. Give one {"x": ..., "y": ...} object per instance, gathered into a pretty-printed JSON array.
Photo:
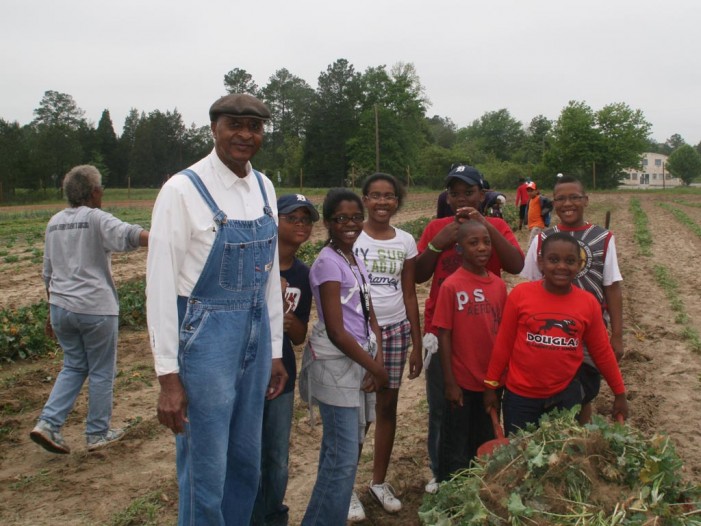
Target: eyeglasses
[
  {"x": 377, "y": 196},
  {"x": 343, "y": 220},
  {"x": 564, "y": 198},
  {"x": 296, "y": 220}
]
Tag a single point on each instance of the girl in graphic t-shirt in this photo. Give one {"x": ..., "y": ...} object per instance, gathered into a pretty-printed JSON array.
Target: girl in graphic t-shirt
[
  {"x": 341, "y": 362},
  {"x": 390, "y": 254}
]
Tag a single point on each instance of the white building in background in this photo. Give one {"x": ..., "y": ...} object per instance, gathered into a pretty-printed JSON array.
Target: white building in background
[{"x": 652, "y": 173}]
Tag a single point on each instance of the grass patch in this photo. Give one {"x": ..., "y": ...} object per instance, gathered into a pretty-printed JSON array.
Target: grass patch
[{"x": 142, "y": 511}]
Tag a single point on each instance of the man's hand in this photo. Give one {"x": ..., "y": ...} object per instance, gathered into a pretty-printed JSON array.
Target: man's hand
[
  {"x": 172, "y": 403},
  {"x": 467, "y": 213},
  {"x": 617, "y": 344},
  {"x": 278, "y": 379}
]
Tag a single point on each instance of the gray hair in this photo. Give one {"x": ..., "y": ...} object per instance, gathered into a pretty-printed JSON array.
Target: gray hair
[{"x": 79, "y": 184}]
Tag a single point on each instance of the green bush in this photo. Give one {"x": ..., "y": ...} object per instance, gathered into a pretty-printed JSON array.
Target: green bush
[
  {"x": 132, "y": 304},
  {"x": 22, "y": 332}
]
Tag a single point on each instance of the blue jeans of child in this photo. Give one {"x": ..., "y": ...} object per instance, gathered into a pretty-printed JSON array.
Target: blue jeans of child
[
  {"x": 269, "y": 509},
  {"x": 520, "y": 410},
  {"x": 338, "y": 461},
  {"x": 89, "y": 344}
]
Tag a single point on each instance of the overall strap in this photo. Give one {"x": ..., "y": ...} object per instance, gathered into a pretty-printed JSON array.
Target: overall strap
[
  {"x": 266, "y": 209},
  {"x": 219, "y": 215}
]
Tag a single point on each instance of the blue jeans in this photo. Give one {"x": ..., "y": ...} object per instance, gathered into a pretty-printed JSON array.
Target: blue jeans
[
  {"x": 520, "y": 410},
  {"x": 269, "y": 509},
  {"x": 338, "y": 461},
  {"x": 89, "y": 344},
  {"x": 435, "y": 396}
]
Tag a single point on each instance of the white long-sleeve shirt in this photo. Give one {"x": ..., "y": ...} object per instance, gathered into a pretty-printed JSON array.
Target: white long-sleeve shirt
[{"x": 182, "y": 233}]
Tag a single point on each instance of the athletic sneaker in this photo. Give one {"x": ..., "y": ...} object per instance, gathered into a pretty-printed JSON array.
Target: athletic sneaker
[
  {"x": 384, "y": 493},
  {"x": 49, "y": 438},
  {"x": 356, "y": 512},
  {"x": 105, "y": 439},
  {"x": 432, "y": 486}
]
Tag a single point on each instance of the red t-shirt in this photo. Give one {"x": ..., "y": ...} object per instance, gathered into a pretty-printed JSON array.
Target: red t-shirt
[
  {"x": 521, "y": 195},
  {"x": 449, "y": 260},
  {"x": 540, "y": 341},
  {"x": 471, "y": 307}
]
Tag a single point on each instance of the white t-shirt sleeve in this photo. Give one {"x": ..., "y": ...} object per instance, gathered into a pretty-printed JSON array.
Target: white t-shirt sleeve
[
  {"x": 530, "y": 269},
  {"x": 611, "y": 271}
]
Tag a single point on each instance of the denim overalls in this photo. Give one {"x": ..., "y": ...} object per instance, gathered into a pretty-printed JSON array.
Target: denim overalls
[{"x": 225, "y": 359}]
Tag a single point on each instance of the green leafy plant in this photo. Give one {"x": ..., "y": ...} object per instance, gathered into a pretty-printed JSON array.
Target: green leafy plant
[
  {"x": 563, "y": 474},
  {"x": 642, "y": 233},
  {"x": 683, "y": 218},
  {"x": 22, "y": 332}
]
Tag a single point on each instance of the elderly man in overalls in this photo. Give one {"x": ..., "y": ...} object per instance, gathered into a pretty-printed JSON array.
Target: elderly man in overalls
[{"x": 215, "y": 315}]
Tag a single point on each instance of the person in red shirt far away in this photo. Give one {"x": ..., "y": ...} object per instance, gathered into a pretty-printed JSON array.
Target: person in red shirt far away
[{"x": 538, "y": 349}]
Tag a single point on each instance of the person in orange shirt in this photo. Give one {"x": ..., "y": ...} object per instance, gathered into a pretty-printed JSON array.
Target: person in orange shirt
[{"x": 537, "y": 211}]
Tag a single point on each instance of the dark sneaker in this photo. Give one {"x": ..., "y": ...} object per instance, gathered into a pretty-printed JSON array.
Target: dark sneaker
[
  {"x": 105, "y": 439},
  {"x": 48, "y": 438}
]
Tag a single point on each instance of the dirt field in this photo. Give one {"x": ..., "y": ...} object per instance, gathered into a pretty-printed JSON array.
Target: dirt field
[{"x": 125, "y": 483}]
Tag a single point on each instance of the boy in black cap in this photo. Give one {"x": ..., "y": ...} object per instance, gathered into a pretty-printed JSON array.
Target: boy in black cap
[
  {"x": 215, "y": 316},
  {"x": 296, "y": 216},
  {"x": 438, "y": 259}
]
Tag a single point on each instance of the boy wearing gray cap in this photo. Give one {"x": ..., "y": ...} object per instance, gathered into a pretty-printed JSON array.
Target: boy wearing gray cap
[{"x": 215, "y": 315}]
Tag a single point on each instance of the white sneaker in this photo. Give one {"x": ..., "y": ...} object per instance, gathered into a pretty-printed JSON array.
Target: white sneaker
[
  {"x": 106, "y": 439},
  {"x": 356, "y": 512},
  {"x": 384, "y": 493},
  {"x": 432, "y": 486}
]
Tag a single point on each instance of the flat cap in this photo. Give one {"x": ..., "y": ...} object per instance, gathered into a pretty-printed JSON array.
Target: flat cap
[{"x": 239, "y": 105}]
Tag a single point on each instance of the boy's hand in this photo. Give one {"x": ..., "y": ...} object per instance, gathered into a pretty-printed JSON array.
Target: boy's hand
[
  {"x": 620, "y": 406},
  {"x": 453, "y": 394},
  {"x": 468, "y": 213},
  {"x": 617, "y": 344},
  {"x": 490, "y": 400},
  {"x": 447, "y": 237}
]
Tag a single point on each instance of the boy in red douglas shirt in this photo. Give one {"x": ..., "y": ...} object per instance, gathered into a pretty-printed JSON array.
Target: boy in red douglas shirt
[{"x": 539, "y": 343}]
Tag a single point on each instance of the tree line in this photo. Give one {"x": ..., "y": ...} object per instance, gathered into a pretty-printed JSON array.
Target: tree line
[{"x": 351, "y": 125}]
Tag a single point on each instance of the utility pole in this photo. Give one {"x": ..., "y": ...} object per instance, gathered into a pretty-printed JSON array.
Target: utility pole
[{"x": 377, "y": 140}]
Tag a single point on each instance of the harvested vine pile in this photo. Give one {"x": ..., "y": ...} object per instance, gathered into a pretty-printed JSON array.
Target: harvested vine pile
[{"x": 562, "y": 474}]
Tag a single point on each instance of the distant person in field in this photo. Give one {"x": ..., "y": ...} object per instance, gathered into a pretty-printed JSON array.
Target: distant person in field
[
  {"x": 215, "y": 316},
  {"x": 297, "y": 216},
  {"x": 544, "y": 327},
  {"x": 468, "y": 313},
  {"x": 84, "y": 308},
  {"x": 521, "y": 202},
  {"x": 438, "y": 259},
  {"x": 599, "y": 273},
  {"x": 537, "y": 211}
]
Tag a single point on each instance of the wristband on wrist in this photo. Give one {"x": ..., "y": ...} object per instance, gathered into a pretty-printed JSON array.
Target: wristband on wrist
[
  {"x": 492, "y": 384},
  {"x": 433, "y": 248}
]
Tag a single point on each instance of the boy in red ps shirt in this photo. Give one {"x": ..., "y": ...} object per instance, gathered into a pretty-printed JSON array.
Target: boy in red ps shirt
[
  {"x": 539, "y": 344},
  {"x": 468, "y": 312}
]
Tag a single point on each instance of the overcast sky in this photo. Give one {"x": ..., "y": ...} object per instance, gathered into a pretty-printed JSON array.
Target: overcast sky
[{"x": 529, "y": 56}]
